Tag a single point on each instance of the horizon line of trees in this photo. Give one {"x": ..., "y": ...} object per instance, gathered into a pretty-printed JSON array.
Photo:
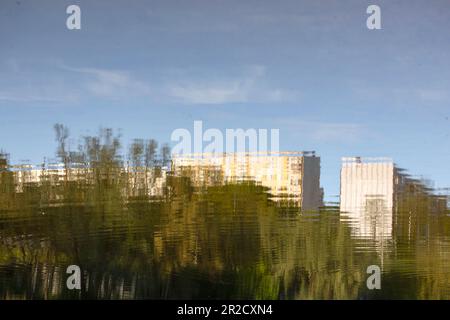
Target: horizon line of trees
[{"x": 102, "y": 149}]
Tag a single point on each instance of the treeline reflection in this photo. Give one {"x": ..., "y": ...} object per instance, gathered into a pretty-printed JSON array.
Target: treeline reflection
[{"x": 139, "y": 231}]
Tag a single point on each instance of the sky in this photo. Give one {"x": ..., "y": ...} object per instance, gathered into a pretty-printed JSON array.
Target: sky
[{"x": 309, "y": 68}]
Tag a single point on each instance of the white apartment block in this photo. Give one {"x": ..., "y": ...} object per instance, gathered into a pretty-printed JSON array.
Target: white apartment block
[{"x": 367, "y": 195}]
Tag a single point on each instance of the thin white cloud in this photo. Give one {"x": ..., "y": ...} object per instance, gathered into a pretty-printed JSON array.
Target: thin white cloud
[
  {"x": 209, "y": 94},
  {"x": 251, "y": 87},
  {"x": 113, "y": 84},
  {"x": 60, "y": 83}
]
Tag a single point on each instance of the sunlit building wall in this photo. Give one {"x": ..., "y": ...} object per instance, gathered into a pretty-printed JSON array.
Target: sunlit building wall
[
  {"x": 145, "y": 181},
  {"x": 367, "y": 195},
  {"x": 293, "y": 176},
  {"x": 140, "y": 181}
]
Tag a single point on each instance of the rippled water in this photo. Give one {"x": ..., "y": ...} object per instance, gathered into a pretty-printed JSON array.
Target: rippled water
[{"x": 222, "y": 242}]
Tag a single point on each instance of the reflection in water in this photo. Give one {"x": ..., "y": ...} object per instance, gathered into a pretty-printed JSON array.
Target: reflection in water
[
  {"x": 139, "y": 230},
  {"x": 289, "y": 176},
  {"x": 367, "y": 196},
  {"x": 374, "y": 189}
]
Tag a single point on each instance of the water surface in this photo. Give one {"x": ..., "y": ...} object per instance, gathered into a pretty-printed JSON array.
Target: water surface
[{"x": 226, "y": 241}]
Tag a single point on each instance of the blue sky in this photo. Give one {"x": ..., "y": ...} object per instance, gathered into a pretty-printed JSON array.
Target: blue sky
[{"x": 310, "y": 68}]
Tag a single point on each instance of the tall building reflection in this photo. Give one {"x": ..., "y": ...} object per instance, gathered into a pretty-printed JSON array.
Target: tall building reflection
[
  {"x": 374, "y": 192},
  {"x": 290, "y": 176},
  {"x": 367, "y": 195}
]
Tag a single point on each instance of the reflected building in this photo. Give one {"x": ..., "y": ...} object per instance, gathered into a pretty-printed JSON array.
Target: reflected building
[
  {"x": 289, "y": 176},
  {"x": 367, "y": 195},
  {"x": 145, "y": 181},
  {"x": 374, "y": 190},
  {"x": 138, "y": 181}
]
